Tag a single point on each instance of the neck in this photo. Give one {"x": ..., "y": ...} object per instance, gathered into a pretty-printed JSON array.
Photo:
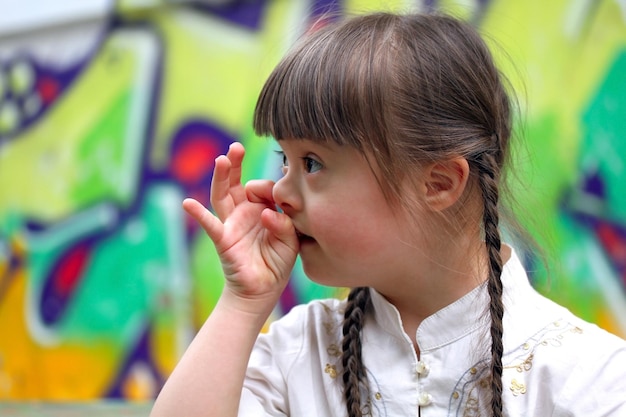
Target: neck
[{"x": 443, "y": 277}]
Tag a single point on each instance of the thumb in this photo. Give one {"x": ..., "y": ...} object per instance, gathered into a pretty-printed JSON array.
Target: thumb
[
  {"x": 260, "y": 191},
  {"x": 281, "y": 226}
]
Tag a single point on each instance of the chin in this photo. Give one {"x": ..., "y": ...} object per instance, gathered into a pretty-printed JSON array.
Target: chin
[
  {"x": 317, "y": 276},
  {"x": 326, "y": 279}
]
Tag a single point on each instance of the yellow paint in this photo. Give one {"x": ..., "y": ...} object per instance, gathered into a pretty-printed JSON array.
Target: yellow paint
[{"x": 29, "y": 369}]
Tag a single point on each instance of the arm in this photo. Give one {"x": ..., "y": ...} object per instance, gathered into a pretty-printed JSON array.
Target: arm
[{"x": 257, "y": 247}]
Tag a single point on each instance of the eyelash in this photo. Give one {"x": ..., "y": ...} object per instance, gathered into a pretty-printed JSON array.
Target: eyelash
[{"x": 307, "y": 160}]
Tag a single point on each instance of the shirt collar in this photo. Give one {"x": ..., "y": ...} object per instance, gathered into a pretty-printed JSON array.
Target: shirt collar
[{"x": 464, "y": 316}]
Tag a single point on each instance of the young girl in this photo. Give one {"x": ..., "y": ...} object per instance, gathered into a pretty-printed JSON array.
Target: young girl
[{"x": 394, "y": 131}]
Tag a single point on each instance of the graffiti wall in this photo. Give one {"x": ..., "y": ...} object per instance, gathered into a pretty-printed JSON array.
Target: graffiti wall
[{"x": 112, "y": 112}]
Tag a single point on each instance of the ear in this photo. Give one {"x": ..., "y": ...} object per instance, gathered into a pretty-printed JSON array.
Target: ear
[{"x": 445, "y": 182}]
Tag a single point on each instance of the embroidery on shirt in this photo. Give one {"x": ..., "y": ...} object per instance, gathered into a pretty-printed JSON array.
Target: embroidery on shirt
[
  {"x": 517, "y": 387},
  {"x": 475, "y": 394},
  {"x": 373, "y": 404},
  {"x": 471, "y": 408},
  {"x": 329, "y": 327},
  {"x": 333, "y": 350},
  {"x": 552, "y": 336},
  {"x": 525, "y": 365},
  {"x": 331, "y": 370},
  {"x": 467, "y": 395}
]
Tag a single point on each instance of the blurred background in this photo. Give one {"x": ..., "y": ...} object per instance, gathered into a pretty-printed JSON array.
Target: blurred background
[{"x": 111, "y": 112}]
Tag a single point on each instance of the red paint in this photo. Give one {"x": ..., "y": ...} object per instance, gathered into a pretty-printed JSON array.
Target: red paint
[
  {"x": 614, "y": 244},
  {"x": 194, "y": 159},
  {"x": 48, "y": 89},
  {"x": 70, "y": 268}
]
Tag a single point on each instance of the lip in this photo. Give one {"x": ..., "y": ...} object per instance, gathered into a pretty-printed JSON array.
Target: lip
[{"x": 303, "y": 237}]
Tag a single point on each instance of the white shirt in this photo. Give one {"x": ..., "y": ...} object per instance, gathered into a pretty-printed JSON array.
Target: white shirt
[{"x": 555, "y": 364}]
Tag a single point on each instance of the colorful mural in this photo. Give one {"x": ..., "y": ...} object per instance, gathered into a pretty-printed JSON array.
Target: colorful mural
[{"x": 111, "y": 114}]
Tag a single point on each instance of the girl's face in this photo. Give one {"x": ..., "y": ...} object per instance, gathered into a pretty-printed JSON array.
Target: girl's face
[{"x": 349, "y": 234}]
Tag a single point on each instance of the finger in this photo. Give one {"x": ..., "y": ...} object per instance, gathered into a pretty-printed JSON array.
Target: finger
[
  {"x": 260, "y": 191},
  {"x": 281, "y": 226},
  {"x": 221, "y": 200},
  {"x": 235, "y": 154},
  {"x": 211, "y": 225}
]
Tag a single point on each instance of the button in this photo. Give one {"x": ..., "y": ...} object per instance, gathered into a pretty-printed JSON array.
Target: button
[
  {"x": 424, "y": 399},
  {"x": 422, "y": 368}
]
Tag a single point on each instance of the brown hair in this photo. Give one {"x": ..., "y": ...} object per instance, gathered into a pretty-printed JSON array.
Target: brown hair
[{"x": 406, "y": 89}]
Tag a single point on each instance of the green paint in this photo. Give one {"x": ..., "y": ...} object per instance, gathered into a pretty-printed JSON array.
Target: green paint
[
  {"x": 604, "y": 144},
  {"x": 100, "y": 158}
]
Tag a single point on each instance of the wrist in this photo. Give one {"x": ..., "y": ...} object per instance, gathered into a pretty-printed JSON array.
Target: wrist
[{"x": 252, "y": 310}]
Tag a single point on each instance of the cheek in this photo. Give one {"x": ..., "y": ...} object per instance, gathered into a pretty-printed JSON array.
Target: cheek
[{"x": 354, "y": 230}]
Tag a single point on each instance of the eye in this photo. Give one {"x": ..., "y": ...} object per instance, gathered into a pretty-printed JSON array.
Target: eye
[
  {"x": 284, "y": 162},
  {"x": 311, "y": 164}
]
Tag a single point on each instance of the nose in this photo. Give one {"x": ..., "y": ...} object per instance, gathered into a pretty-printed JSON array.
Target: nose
[{"x": 287, "y": 195}]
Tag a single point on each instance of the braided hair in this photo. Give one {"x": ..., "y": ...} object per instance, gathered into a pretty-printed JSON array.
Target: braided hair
[
  {"x": 487, "y": 167},
  {"x": 354, "y": 375},
  {"x": 407, "y": 90}
]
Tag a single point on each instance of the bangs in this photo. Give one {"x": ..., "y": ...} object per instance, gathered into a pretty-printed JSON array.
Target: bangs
[{"x": 328, "y": 88}]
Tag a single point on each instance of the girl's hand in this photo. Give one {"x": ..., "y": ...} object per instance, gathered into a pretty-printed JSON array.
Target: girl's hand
[{"x": 256, "y": 244}]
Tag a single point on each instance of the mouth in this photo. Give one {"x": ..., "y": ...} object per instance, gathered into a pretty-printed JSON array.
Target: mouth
[{"x": 303, "y": 238}]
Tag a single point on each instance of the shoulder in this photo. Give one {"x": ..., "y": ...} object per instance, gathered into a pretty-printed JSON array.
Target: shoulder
[
  {"x": 299, "y": 342},
  {"x": 560, "y": 342},
  {"x": 315, "y": 321},
  {"x": 596, "y": 348},
  {"x": 595, "y": 383},
  {"x": 571, "y": 367},
  {"x": 293, "y": 363},
  {"x": 598, "y": 340},
  {"x": 579, "y": 344},
  {"x": 314, "y": 312}
]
